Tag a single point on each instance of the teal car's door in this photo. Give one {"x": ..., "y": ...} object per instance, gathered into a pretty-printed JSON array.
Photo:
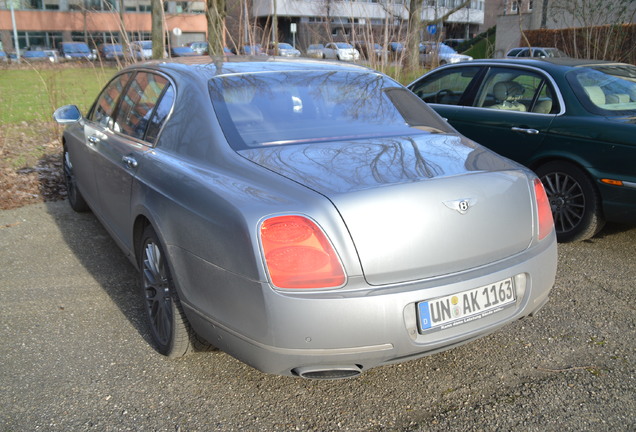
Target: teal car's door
[{"x": 507, "y": 109}]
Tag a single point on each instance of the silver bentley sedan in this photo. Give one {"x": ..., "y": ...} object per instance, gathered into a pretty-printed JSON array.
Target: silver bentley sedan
[{"x": 309, "y": 218}]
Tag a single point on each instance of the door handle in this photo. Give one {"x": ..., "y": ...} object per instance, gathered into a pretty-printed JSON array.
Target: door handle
[
  {"x": 92, "y": 140},
  {"x": 130, "y": 161},
  {"x": 526, "y": 130}
]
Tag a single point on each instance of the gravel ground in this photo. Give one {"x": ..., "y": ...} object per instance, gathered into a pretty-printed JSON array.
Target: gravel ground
[{"x": 75, "y": 353}]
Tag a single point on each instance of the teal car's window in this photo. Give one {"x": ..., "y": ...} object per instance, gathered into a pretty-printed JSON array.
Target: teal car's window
[
  {"x": 447, "y": 87},
  {"x": 102, "y": 111},
  {"x": 516, "y": 90},
  {"x": 138, "y": 103},
  {"x": 305, "y": 107},
  {"x": 602, "y": 93}
]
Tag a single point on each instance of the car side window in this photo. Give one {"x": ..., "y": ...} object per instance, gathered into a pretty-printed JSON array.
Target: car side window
[
  {"x": 447, "y": 87},
  {"x": 104, "y": 107},
  {"x": 138, "y": 103},
  {"x": 162, "y": 110},
  {"x": 516, "y": 90}
]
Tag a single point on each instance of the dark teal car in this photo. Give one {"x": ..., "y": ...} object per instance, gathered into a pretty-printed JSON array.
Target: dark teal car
[{"x": 572, "y": 121}]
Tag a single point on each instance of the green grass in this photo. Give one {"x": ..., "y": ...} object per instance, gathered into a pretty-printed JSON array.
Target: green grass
[{"x": 31, "y": 95}]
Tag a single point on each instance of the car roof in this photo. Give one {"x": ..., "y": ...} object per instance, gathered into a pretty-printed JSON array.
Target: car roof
[
  {"x": 218, "y": 66},
  {"x": 541, "y": 62}
]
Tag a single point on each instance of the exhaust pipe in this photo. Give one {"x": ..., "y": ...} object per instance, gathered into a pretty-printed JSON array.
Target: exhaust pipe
[{"x": 327, "y": 372}]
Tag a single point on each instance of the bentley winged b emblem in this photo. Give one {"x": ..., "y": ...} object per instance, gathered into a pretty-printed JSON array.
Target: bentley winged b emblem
[{"x": 461, "y": 205}]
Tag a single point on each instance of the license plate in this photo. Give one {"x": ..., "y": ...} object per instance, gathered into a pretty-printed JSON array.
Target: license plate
[{"x": 466, "y": 306}]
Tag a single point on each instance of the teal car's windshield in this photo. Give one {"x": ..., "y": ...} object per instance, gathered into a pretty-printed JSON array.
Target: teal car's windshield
[
  {"x": 303, "y": 107},
  {"x": 604, "y": 93}
]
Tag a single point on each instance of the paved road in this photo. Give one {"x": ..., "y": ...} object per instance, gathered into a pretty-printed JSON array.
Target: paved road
[{"x": 75, "y": 353}]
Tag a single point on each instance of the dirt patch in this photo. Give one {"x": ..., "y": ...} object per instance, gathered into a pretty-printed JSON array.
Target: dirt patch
[{"x": 30, "y": 165}]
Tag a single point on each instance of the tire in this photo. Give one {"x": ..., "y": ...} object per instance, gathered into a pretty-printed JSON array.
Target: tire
[
  {"x": 169, "y": 328},
  {"x": 75, "y": 198},
  {"x": 574, "y": 199}
]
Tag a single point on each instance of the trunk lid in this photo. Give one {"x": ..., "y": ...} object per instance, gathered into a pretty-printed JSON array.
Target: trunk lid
[{"x": 416, "y": 207}]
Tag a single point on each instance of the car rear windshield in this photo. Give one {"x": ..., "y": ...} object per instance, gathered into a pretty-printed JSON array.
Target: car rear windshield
[
  {"x": 605, "y": 91},
  {"x": 273, "y": 108}
]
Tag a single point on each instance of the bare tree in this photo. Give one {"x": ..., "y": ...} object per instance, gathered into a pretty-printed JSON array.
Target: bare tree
[
  {"x": 215, "y": 13},
  {"x": 598, "y": 22},
  {"x": 157, "y": 28},
  {"x": 416, "y": 24}
]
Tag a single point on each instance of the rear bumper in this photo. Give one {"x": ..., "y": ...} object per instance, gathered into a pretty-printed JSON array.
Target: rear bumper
[
  {"x": 619, "y": 202},
  {"x": 367, "y": 328}
]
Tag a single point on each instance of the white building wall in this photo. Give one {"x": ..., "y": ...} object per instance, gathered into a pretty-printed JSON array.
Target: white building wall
[{"x": 360, "y": 10}]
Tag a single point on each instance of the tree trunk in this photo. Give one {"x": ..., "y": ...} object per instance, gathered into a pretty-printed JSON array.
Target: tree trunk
[
  {"x": 157, "y": 29},
  {"x": 215, "y": 13}
]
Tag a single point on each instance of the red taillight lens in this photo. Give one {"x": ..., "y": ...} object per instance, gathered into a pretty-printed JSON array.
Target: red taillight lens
[
  {"x": 546, "y": 223},
  {"x": 298, "y": 254}
]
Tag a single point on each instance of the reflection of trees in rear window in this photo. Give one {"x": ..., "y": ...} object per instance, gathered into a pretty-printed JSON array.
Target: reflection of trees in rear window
[{"x": 308, "y": 106}]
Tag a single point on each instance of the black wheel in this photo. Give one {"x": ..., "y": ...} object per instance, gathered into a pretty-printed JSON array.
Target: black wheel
[
  {"x": 75, "y": 198},
  {"x": 574, "y": 200},
  {"x": 169, "y": 327}
]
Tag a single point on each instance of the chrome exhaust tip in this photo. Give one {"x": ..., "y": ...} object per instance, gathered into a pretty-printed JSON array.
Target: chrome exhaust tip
[{"x": 327, "y": 372}]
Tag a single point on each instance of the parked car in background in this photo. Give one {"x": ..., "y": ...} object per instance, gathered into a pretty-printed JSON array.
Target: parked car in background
[
  {"x": 110, "y": 51},
  {"x": 571, "y": 121},
  {"x": 200, "y": 48},
  {"x": 340, "y": 51},
  {"x": 141, "y": 50},
  {"x": 284, "y": 50},
  {"x": 76, "y": 51},
  {"x": 396, "y": 49},
  {"x": 315, "y": 50},
  {"x": 319, "y": 220},
  {"x": 4, "y": 58},
  {"x": 53, "y": 55},
  {"x": 535, "y": 52},
  {"x": 433, "y": 53},
  {"x": 183, "y": 51},
  {"x": 256, "y": 49},
  {"x": 35, "y": 56},
  {"x": 370, "y": 50}
]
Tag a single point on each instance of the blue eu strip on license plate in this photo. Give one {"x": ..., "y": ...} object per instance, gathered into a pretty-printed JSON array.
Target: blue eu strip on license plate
[{"x": 465, "y": 306}]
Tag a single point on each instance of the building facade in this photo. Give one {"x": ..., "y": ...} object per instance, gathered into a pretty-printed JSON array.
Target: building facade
[{"x": 46, "y": 23}]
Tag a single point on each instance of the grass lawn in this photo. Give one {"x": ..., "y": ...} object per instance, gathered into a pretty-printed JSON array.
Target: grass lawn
[{"x": 31, "y": 95}]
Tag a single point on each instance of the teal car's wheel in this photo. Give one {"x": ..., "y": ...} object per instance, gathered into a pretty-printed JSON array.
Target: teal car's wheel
[
  {"x": 169, "y": 328},
  {"x": 75, "y": 198},
  {"x": 574, "y": 200}
]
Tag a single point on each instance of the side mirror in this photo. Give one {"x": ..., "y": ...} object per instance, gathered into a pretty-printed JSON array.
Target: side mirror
[{"x": 67, "y": 114}]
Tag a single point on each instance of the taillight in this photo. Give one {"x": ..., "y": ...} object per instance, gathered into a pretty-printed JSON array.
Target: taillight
[
  {"x": 299, "y": 255},
  {"x": 546, "y": 223}
]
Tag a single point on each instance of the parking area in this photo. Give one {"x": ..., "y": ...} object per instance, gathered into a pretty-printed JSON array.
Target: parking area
[{"x": 76, "y": 354}]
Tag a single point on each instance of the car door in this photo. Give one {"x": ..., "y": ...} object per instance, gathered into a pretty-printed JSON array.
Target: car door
[
  {"x": 512, "y": 125},
  {"x": 123, "y": 150},
  {"x": 83, "y": 152}
]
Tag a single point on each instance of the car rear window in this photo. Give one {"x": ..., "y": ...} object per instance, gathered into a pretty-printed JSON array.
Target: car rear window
[
  {"x": 303, "y": 106},
  {"x": 603, "y": 93}
]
